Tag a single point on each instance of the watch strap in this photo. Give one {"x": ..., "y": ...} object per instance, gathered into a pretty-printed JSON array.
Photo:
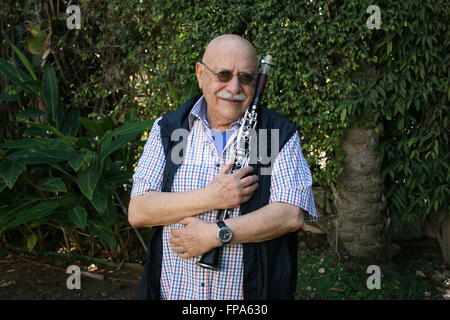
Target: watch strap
[{"x": 221, "y": 224}]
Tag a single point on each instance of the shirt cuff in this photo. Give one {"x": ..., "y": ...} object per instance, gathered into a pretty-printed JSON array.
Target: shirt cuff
[
  {"x": 302, "y": 198},
  {"x": 141, "y": 186}
]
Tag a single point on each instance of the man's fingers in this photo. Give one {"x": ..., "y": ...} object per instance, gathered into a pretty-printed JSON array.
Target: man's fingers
[
  {"x": 242, "y": 172},
  {"x": 247, "y": 181},
  {"x": 226, "y": 168},
  {"x": 174, "y": 241},
  {"x": 248, "y": 191},
  {"x": 185, "y": 221},
  {"x": 184, "y": 255}
]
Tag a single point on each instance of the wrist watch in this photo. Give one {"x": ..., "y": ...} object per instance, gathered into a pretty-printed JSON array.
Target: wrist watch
[{"x": 224, "y": 233}]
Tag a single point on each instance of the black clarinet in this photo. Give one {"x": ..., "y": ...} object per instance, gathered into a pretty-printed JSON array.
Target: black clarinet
[{"x": 210, "y": 260}]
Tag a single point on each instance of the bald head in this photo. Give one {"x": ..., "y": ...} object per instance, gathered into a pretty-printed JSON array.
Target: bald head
[
  {"x": 227, "y": 99},
  {"x": 227, "y": 43}
]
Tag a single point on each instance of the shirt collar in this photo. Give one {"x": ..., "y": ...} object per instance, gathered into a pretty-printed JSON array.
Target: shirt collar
[{"x": 199, "y": 112}]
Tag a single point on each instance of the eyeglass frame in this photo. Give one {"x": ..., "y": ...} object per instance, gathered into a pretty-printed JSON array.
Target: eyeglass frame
[{"x": 239, "y": 75}]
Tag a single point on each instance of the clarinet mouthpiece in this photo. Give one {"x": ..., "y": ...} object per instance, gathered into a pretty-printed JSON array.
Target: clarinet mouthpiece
[{"x": 267, "y": 60}]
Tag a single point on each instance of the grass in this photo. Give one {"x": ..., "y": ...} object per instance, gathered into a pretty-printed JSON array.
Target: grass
[{"x": 322, "y": 276}]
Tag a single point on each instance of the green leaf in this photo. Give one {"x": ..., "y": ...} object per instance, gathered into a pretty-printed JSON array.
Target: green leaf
[
  {"x": 49, "y": 154},
  {"x": 100, "y": 197},
  {"x": 12, "y": 72},
  {"x": 104, "y": 234},
  {"x": 37, "y": 212},
  {"x": 89, "y": 157},
  {"x": 9, "y": 97},
  {"x": 11, "y": 170},
  {"x": 110, "y": 214},
  {"x": 71, "y": 141},
  {"x": 30, "y": 113},
  {"x": 11, "y": 209},
  {"x": 128, "y": 128},
  {"x": 43, "y": 126},
  {"x": 31, "y": 242},
  {"x": 125, "y": 133},
  {"x": 76, "y": 162},
  {"x": 51, "y": 94},
  {"x": 107, "y": 123},
  {"x": 133, "y": 114},
  {"x": 22, "y": 143},
  {"x": 389, "y": 48},
  {"x": 17, "y": 76},
  {"x": 108, "y": 147},
  {"x": 36, "y": 132},
  {"x": 87, "y": 181},
  {"x": 36, "y": 43},
  {"x": 32, "y": 143},
  {"x": 381, "y": 91},
  {"x": 3, "y": 185},
  {"x": 343, "y": 114},
  {"x": 52, "y": 184},
  {"x": 118, "y": 177},
  {"x": 92, "y": 126},
  {"x": 72, "y": 123},
  {"x": 78, "y": 216},
  {"x": 36, "y": 46},
  {"x": 24, "y": 60}
]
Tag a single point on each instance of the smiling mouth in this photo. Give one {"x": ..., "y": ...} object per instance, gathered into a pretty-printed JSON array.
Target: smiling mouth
[{"x": 232, "y": 100}]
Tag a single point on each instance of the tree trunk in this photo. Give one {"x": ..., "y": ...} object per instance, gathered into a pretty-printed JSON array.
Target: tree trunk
[
  {"x": 440, "y": 229},
  {"x": 359, "y": 223},
  {"x": 445, "y": 240}
]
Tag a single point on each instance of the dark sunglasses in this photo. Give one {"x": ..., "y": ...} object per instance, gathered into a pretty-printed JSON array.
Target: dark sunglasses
[{"x": 227, "y": 75}]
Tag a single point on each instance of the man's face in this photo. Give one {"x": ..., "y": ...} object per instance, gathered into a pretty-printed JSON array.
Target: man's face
[{"x": 223, "y": 97}]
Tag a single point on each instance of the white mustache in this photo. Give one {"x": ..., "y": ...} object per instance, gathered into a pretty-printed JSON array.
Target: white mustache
[{"x": 230, "y": 96}]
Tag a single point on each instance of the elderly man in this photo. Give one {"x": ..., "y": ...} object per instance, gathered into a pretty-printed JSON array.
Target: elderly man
[{"x": 181, "y": 201}]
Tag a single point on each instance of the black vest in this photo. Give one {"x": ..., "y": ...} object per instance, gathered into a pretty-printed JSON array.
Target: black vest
[{"x": 270, "y": 267}]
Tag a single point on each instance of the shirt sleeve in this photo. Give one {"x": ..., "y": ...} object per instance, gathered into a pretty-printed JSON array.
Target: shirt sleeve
[
  {"x": 149, "y": 171},
  {"x": 291, "y": 180}
]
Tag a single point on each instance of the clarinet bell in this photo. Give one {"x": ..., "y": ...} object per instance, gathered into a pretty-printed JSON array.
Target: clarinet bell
[{"x": 210, "y": 260}]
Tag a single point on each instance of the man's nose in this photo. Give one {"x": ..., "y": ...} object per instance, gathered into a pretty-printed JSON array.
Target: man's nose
[{"x": 234, "y": 86}]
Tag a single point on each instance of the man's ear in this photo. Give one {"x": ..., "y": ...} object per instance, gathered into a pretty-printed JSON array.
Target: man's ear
[{"x": 199, "y": 73}]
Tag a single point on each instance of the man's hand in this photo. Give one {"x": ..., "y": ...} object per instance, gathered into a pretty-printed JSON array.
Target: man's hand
[
  {"x": 230, "y": 190},
  {"x": 195, "y": 239}
]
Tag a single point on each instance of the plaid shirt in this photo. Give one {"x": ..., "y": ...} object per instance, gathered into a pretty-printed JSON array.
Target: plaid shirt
[{"x": 290, "y": 182}]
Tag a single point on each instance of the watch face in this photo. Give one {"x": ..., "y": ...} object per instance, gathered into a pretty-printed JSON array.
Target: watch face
[{"x": 225, "y": 234}]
